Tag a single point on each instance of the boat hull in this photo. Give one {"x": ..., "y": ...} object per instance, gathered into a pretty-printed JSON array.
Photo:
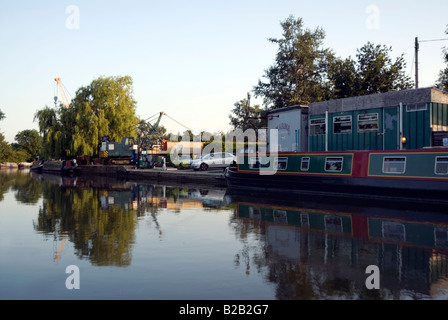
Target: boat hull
[
  {"x": 414, "y": 175},
  {"x": 339, "y": 186}
]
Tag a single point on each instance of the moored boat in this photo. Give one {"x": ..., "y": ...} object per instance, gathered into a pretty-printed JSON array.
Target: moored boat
[
  {"x": 410, "y": 174},
  {"x": 37, "y": 165},
  {"x": 8, "y": 165},
  {"x": 60, "y": 166},
  {"x": 25, "y": 165}
]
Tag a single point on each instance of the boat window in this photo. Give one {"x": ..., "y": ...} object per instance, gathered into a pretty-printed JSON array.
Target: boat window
[
  {"x": 441, "y": 237},
  {"x": 254, "y": 213},
  {"x": 333, "y": 223},
  {"x": 342, "y": 124},
  {"x": 254, "y": 163},
  {"x": 304, "y": 220},
  {"x": 280, "y": 216},
  {"x": 305, "y": 164},
  {"x": 281, "y": 163},
  {"x": 416, "y": 107},
  {"x": 368, "y": 122},
  {"x": 394, "y": 231},
  {"x": 394, "y": 165},
  {"x": 441, "y": 166},
  {"x": 333, "y": 164},
  {"x": 317, "y": 126}
]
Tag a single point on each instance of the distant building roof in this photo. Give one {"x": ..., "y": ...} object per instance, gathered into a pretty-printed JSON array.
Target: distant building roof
[
  {"x": 380, "y": 100},
  {"x": 296, "y": 107}
]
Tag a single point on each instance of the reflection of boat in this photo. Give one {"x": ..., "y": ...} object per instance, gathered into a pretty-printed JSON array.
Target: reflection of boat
[
  {"x": 416, "y": 227},
  {"x": 406, "y": 174},
  {"x": 332, "y": 246}
]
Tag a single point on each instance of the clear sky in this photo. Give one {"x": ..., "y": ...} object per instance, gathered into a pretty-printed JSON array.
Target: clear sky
[{"x": 191, "y": 59}]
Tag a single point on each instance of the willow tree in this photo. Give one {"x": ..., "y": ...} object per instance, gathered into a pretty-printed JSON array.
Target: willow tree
[
  {"x": 51, "y": 130},
  {"x": 106, "y": 107}
]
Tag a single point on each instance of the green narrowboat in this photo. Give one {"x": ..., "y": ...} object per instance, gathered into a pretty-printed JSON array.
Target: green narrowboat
[{"x": 412, "y": 174}]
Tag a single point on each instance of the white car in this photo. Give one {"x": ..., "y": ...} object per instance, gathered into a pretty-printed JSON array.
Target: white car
[{"x": 213, "y": 160}]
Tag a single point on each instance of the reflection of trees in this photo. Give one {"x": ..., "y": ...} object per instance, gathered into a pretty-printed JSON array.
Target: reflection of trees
[
  {"x": 99, "y": 216},
  {"x": 6, "y": 180},
  {"x": 104, "y": 236},
  {"x": 27, "y": 190}
]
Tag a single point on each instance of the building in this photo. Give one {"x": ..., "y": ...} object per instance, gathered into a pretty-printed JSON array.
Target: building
[
  {"x": 406, "y": 119},
  {"x": 292, "y": 124}
]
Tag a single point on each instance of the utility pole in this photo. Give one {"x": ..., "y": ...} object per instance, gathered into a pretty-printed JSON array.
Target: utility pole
[
  {"x": 417, "y": 46},
  {"x": 416, "y": 62}
]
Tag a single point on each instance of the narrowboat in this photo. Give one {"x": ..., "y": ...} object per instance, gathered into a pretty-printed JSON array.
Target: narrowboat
[
  {"x": 60, "y": 166},
  {"x": 9, "y": 165},
  {"x": 37, "y": 166},
  {"x": 25, "y": 165},
  {"x": 405, "y": 174}
]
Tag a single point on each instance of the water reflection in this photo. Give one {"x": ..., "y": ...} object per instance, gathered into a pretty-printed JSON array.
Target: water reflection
[
  {"x": 323, "y": 253},
  {"x": 307, "y": 249},
  {"x": 99, "y": 216}
]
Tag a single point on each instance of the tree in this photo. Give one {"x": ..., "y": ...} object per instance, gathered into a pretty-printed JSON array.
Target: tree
[
  {"x": 245, "y": 117},
  {"x": 106, "y": 107},
  {"x": 343, "y": 78},
  {"x": 442, "y": 81},
  {"x": 7, "y": 151},
  {"x": 50, "y": 128},
  {"x": 5, "y": 148},
  {"x": 299, "y": 73},
  {"x": 372, "y": 72},
  {"x": 30, "y": 142},
  {"x": 377, "y": 73}
]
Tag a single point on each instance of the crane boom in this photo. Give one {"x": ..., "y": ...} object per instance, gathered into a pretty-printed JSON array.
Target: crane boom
[
  {"x": 64, "y": 96},
  {"x": 148, "y": 131}
]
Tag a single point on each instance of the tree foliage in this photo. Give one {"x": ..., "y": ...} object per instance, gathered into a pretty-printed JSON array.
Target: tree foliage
[
  {"x": 5, "y": 148},
  {"x": 374, "y": 71},
  {"x": 30, "y": 142},
  {"x": 298, "y": 75},
  {"x": 245, "y": 117},
  {"x": 442, "y": 81},
  {"x": 305, "y": 72},
  {"x": 106, "y": 107}
]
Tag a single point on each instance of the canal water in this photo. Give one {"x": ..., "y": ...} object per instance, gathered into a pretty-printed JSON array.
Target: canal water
[{"x": 101, "y": 238}]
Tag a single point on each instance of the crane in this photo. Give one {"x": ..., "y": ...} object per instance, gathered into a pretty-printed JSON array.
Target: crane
[
  {"x": 148, "y": 131},
  {"x": 64, "y": 96}
]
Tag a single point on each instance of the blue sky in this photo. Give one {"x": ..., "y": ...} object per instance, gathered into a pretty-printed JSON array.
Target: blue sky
[{"x": 191, "y": 59}]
